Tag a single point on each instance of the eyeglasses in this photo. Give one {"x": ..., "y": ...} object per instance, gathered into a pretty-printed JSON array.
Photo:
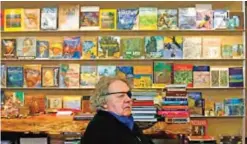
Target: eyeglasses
[{"x": 129, "y": 94}]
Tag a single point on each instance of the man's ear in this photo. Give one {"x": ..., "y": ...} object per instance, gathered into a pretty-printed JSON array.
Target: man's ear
[{"x": 105, "y": 106}]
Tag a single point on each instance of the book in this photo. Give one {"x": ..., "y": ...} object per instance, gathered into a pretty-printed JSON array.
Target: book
[
  {"x": 204, "y": 16},
  {"x": 219, "y": 108},
  {"x": 211, "y": 47},
  {"x": 89, "y": 47},
  {"x": 86, "y": 104},
  {"x": 56, "y": 50},
  {"x": 143, "y": 76},
  {"x": 31, "y": 19},
  {"x": 36, "y": 103},
  {"x": 26, "y": 47},
  {"x": 14, "y": 76},
  {"x": 108, "y": 19},
  {"x": 126, "y": 72},
  {"x": 49, "y": 16},
  {"x": 237, "y": 51},
  {"x": 42, "y": 49},
  {"x": 3, "y": 76},
  {"x": 72, "y": 102},
  {"x": 209, "y": 108},
  {"x": 89, "y": 18},
  {"x": 154, "y": 46},
  {"x": 199, "y": 127},
  {"x": 214, "y": 76},
  {"x": 148, "y": 18},
  {"x": 167, "y": 19},
  {"x": 192, "y": 47},
  {"x": 173, "y": 47},
  {"x": 224, "y": 79},
  {"x": 2, "y": 19},
  {"x": 226, "y": 51},
  {"x": 234, "y": 107},
  {"x": 220, "y": 19},
  {"x": 109, "y": 47},
  {"x": 183, "y": 74},
  {"x": 187, "y": 18},
  {"x": 128, "y": 19},
  {"x": 106, "y": 70},
  {"x": 195, "y": 103},
  {"x": 162, "y": 72},
  {"x": 72, "y": 48},
  {"x": 132, "y": 47},
  {"x": 8, "y": 48},
  {"x": 236, "y": 78},
  {"x": 88, "y": 76},
  {"x": 69, "y": 16},
  {"x": 32, "y": 76},
  {"x": 14, "y": 19},
  {"x": 201, "y": 76},
  {"x": 50, "y": 76},
  {"x": 69, "y": 75},
  {"x": 54, "y": 102}
]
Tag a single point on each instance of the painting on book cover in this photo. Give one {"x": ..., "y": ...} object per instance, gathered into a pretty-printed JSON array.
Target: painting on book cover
[
  {"x": 173, "y": 47},
  {"x": 13, "y": 20},
  {"x": 49, "y": 18},
  {"x": 192, "y": 47},
  {"x": 201, "y": 76},
  {"x": 143, "y": 80},
  {"x": 72, "y": 48},
  {"x": 148, "y": 18},
  {"x": 162, "y": 72},
  {"x": 187, "y": 18},
  {"x": 104, "y": 70},
  {"x": 237, "y": 50},
  {"x": 204, "y": 16},
  {"x": 31, "y": 19},
  {"x": 42, "y": 51},
  {"x": 154, "y": 46},
  {"x": 195, "y": 103},
  {"x": 14, "y": 76},
  {"x": 132, "y": 48},
  {"x": 89, "y": 47},
  {"x": 214, "y": 76},
  {"x": 88, "y": 76},
  {"x": 69, "y": 17},
  {"x": 220, "y": 19},
  {"x": 26, "y": 46},
  {"x": 72, "y": 102},
  {"x": 3, "y": 76},
  {"x": 167, "y": 19},
  {"x": 126, "y": 72},
  {"x": 50, "y": 76},
  {"x": 54, "y": 102},
  {"x": 224, "y": 79},
  {"x": 8, "y": 48},
  {"x": 183, "y": 74},
  {"x": 56, "y": 50},
  {"x": 69, "y": 76},
  {"x": 128, "y": 19},
  {"x": 89, "y": 18},
  {"x": 108, "y": 19},
  {"x": 32, "y": 76},
  {"x": 109, "y": 47}
]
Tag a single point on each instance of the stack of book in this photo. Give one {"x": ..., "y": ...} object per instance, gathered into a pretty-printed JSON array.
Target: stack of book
[{"x": 143, "y": 106}]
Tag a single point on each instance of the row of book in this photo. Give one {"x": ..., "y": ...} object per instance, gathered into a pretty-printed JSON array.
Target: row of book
[
  {"x": 74, "y": 17},
  {"x": 116, "y": 47},
  {"x": 140, "y": 76}
]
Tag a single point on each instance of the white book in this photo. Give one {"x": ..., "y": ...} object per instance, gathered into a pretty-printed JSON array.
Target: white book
[
  {"x": 220, "y": 19},
  {"x": 192, "y": 47},
  {"x": 211, "y": 48}
]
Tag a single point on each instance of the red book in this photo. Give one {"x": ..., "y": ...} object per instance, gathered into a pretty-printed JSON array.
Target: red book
[{"x": 143, "y": 103}]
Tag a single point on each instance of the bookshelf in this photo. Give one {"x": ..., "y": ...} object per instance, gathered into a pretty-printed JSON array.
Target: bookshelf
[{"x": 234, "y": 125}]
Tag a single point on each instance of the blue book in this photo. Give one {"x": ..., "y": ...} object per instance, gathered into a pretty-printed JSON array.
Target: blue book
[
  {"x": 72, "y": 48},
  {"x": 234, "y": 107},
  {"x": 127, "y": 19},
  {"x": 196, "y": 103},
  {"x": 236, "y": 78},
  {"x": 14, "y": 76},
  {"x": 173, "y": 47},
  {"x": 126, "y": 72}
]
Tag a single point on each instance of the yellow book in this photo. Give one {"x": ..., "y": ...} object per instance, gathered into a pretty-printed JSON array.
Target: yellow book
[
  {"x": 72, "y": 102},
  {"x": 14, "y": 20},
  {"x": 108, "y": 19}
]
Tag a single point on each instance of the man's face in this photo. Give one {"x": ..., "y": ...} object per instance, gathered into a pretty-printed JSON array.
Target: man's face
[{"x": 119, "y": 103}]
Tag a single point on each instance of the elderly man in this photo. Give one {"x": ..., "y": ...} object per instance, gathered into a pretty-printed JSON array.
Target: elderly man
[{"x": 113, "y": 123}]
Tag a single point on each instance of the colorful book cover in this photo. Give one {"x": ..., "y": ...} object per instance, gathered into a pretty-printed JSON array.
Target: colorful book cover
[
  {"x": 89, "y": 47},
  {"x": 143, "y": 76},
  {"x": 54, "y": 102},
  {"x": 237, "y": 51},
  {"x": 31, "y": 19},
  {"x": 85, "y": 104},
  {"x": 167, "y": 19},
  {"x": 3, "y": 76},
  {"x": 132, "y": 47},
  {"x": 183, "y": 74},
  {"x": 42, "y": 51},
  {"x": 204, "y": 16},
  {"x": 36, "y": 103},
  {"x": 199, "y": 127},
  {"x": 106, "y": 70},
  {"x": 32, "y": 76},
  {"x": 20, "y": 97},
  {"x": 173, "y": 47},
  {"x": 162, "y": 72},
  {"x": 126, "y": 72},
  {"x": 14, "y": 76},
  {"x": 14, "y": 20},
  {"x": 69, "y": 76},
  {"x": 234, "y": 107},
  {"x": 192, "y": 47},
  {"x": 154, "y": 46},
  {"x": 148, "y": 18},
  {"x": 220, "y": 19},
  {"x": 236, "y": 78},
  {"x": 72, "y": 48},
  {"x": 56, "y": 50},
  {"x": 219, "y": 108},
  {"x": 108, "y": 19},
  {"x": 26, "y": 47},
  {"x": 187, "y": 18},
  {"x": 209, "y": 107},
  {"x": 109, "y": 47},
  {"x": 49, "y": 18},
  {"x": 201, "y": 76},
  {"x": 2, "y": 20},
  {"x": 89, "y": 18},
  {"x": 214, "y": 76},
  {"x": 195, "y": 103},
  {"x": 50, "y": 76},
  {"x": 8, "y": 48},
  {"x": 88, "y": 76},
  {"x": 224, "y": 79},
  {"x": 211, "y": 47},
  {"x": 69, "y": 16},
  {"x": 72, "y": 102},
  {"x": 128, "y": 19},
  {"x": 226, "y": 51}
]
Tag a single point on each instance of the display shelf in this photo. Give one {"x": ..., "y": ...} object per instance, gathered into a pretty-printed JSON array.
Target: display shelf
[{"x": 215, "y": 117}]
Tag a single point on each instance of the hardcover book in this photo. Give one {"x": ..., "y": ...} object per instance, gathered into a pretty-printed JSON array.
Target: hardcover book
[
  {"x": 173, "y": 47},
  {"x": 195, "y": 103},
  {"x": 69, "y": 76},
  {"x": 132, "y": 47},
  {"x": 72, "y": 102},
  {"x": 69, "y": 17},
  {"x": 234, "y": 107},
  {"x": 31, "y": 19},
  {"x": 148, "y": 18},
  {"x": 201, "y": 76},
  {"x": 106, "y": 70},
  {"x": 154, "y": 46},
  {"x": 88, "y": 76},
  {"x": 14, "y": 76},
  {"x": 8, "y": 48},
  {"x": 183, "y": 74},
  {"x": 192, "y": 47},
  {"x": 237, "y": 51},
  {"x": 236, "y": 78},
  {"x": 227, "y": 51},
  {"x": 89, "y": 18},
  {"x": 26, "y": 47},
  {"x": 211, "y": 47},
  {"x": 32, "y": 76},
  {"x": 42, "y": 51},
  {"x": 204, "y": 16},
  {"x": 14, "y": 20},
  {"x": 109, "y": 47},
  {"x": 162, "y": 72},
  {"x": 54, "y": 102},
  {"x": 220, "y": 19},
  {"x": 49, "y": 18},
  {"x": 199, "y": 127},
  {"x": 108, "y": 19},
  {"x": 56, "y": 50},
  {"x": 89, "y": 47},
  {"x": 167, "y": 19},
  {"x": 128, "y": 19},
  {"x": 126, "y": 72},
  {"x": 187, "y": 18},
  {"x": 72, "y": 48},
  {"x": 50, "y": 76},
  {"x": 143, "y": 76}
]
